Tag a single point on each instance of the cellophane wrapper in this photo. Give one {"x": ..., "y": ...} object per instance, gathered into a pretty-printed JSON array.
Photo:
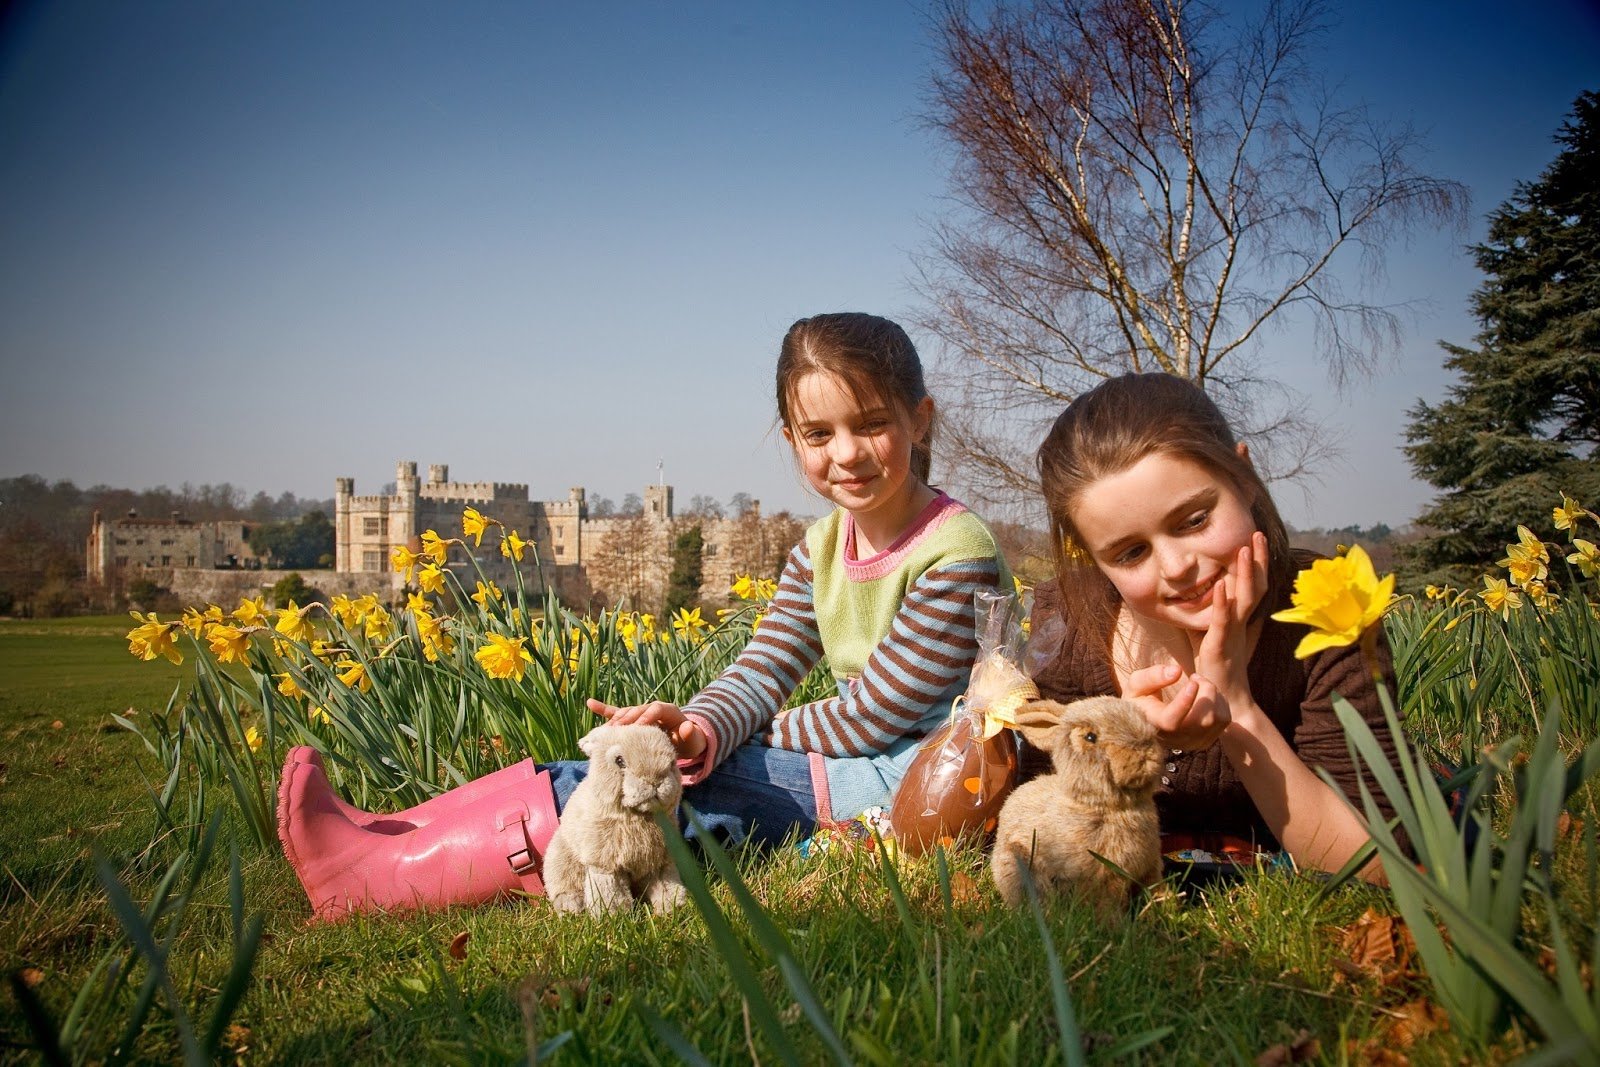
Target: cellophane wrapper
[{"x": 963, "y": 771}]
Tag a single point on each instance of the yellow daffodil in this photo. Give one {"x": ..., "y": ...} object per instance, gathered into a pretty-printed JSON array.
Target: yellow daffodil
[
  {"x": 152, "y": 638},
  {"x": 323, "y": 650},
  {"x": 512, "y": 546},
  {"x": 435, "y": 547},
  {"x": 344, "y": 609},
  {"x": 319, "y": 715},
  {"x": 431, "y": 579},
  {"x": 487, "y": 591},
  {"x": 288, "y": 686},
  {"x": 1586, "y": 559},
  {"x": 292, "y": 623},
  {"x": 503, "y": 657},
  {"x": 744, "y": 587},
  {"x": 435, "y": 645},
  {"x": 1339, "y": 599},
  {"x": 353, "y": 673},
  {"x": 628, "y": 629},
  {"x": 1438, "y": 592},
  {"x": 228, "y": 643},
  {"x": 377, "y": 624},
  {"x": 418, "y": 604},
  {"x": 755, "y": 623},
  {"x": 194, "y": 620},
  {"x": 253, "y": 738},
  {"x": 252, "y": 611},
  {"x": 404, "y": 560},
  {"x": 473, "y": 525},
  {"x": 1498, "y": 596},
  {"x": 688, "y": 623},
  {"x": 1527, "y": 559},
  {"x": 1541, "y": 596},
  {"x": 1569, "y": 513},
  {"x": 435, "y": 640}
]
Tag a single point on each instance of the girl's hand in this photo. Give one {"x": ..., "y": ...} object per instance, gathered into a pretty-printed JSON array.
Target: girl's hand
[
  {"x": 1195, "y": 716},
  {"x": 1223, "y": 651},
  {"x": 686, "y": 736}
]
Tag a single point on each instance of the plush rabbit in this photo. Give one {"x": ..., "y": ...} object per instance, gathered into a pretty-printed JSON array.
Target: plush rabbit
[
  {"x": 1100, "y": 801},
  {"x": 608, "y": 851}
]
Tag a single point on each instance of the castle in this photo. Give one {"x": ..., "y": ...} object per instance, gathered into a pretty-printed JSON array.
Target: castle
[
  {"x": 589, "y": 561},
  {"x": 134, "y": 543}
]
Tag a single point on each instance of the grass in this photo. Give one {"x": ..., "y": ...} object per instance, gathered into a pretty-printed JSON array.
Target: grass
[{"x": 955, "y": 978}]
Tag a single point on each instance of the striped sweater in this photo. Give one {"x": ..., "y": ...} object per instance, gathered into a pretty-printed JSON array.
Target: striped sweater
[{"x": 898, "y": 631}]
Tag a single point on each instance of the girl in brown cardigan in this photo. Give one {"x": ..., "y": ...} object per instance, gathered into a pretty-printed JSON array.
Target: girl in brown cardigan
[{"x": 1171, "y": 556}]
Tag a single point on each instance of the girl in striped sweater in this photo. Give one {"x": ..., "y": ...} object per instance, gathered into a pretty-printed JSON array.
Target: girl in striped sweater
[{"x": 882, "y": 586}]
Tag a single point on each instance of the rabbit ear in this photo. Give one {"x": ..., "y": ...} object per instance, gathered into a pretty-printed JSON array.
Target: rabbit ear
[
  {"x": 590, "y": 742},
  {"x": 1037, "y": 721}
]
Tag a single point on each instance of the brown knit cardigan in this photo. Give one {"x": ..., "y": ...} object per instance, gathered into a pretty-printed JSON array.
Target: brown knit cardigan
[{"x": 1200, "y": 792}]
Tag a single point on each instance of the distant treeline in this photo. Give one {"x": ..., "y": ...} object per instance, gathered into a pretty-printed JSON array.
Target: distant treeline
[{"x": 44, "y": 530}]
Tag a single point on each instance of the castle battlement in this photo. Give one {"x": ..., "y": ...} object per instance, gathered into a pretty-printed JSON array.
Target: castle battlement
[{"x": 473, "y": 492}]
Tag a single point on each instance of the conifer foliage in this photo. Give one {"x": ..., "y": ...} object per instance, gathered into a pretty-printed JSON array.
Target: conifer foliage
[{"x": 1522, "y": 423}]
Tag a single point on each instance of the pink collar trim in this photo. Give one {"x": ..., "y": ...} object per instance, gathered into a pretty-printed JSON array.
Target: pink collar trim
[{"x": 938, "y": 510}]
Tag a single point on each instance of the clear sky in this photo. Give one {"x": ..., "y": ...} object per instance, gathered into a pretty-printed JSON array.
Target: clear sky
[{"x": 276, "y": 243}]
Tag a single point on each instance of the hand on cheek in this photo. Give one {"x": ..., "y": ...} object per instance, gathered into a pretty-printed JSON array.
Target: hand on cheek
[{"x": 1222, "y": 654}]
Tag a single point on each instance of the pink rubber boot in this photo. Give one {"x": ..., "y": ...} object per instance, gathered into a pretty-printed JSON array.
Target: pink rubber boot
[
  {"x": 399, "y": 822},
  {"x": 481, "y": 850}
]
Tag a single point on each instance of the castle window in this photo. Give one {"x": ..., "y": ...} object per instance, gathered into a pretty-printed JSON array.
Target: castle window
[
  {"x": 166, "y": 561},
  {"x": 372, "y": 561},
  {"x": 371, "y": 527},
  {"x": 708, "y": 550},
  {"x": 190, "y": 563},
  {"x": 122, "y": 561}
]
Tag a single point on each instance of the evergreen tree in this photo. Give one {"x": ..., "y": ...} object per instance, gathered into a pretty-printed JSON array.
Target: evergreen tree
[
  {"x": 683, "y": 585},
  {"x": 1522, "y": 424}
]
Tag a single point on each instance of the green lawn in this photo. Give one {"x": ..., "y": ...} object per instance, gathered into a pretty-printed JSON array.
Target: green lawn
[{"x": 953, "y": 978}]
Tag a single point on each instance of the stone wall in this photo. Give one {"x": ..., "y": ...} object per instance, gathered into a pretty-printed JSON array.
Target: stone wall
[{"x": 196, "y": 588}]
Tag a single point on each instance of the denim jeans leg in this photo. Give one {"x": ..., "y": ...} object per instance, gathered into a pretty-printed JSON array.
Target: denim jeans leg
[
  {"x": 564, "y": 778},
  {"x": 757, "y": 794}
]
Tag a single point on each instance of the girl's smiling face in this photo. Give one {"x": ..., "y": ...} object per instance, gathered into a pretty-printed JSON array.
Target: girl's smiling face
[
  {"x": 856, "y": 453},
  {"x": 1164, "y": 531}
]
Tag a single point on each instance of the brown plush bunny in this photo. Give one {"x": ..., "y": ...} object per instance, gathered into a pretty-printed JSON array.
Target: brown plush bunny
[{"x": 1100, "y": 801}]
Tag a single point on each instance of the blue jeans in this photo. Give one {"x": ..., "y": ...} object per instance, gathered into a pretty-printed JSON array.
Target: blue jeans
[{"x": 757, "y": 794}]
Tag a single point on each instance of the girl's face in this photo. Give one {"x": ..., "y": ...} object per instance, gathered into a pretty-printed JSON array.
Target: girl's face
[
  {"x": 1164, "y": 531},
  {"x": 855, "y": 453}
]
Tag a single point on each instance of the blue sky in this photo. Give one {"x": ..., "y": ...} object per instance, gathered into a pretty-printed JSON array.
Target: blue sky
[{"x": 273, "y": 244}]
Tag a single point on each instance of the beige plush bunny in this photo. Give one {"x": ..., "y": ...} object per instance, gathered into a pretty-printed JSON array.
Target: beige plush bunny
[
  {"x": 608, "y": 851},
  {"x": 1100, "y": 801}
]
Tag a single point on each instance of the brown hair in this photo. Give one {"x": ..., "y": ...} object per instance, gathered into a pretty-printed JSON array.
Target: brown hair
[
  {"x": 871, "y": 355},
  {"x": 1109, "y": 429}
]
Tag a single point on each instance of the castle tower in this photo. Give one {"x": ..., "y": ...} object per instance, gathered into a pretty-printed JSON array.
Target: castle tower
[
  {"x": 438, "y": 473},
  {"x": 405, "y": 490},
  {"x": 658, "y": 502},
  {"x": 343, "y": 490}
]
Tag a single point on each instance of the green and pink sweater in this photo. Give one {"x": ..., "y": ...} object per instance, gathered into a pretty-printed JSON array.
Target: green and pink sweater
[{"x": 898, "y": 631}]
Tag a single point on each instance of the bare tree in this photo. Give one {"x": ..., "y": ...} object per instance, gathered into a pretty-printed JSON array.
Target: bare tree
[
  {"x": 628, "y": 564},
  {"x": 1145, "y": 184}
]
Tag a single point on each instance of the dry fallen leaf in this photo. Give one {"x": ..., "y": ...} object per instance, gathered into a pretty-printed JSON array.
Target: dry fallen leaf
[
  {"x": 31, "y": 976},
  {"x": 1378, "y": 947},
  {"x": 1417, "y": 1019},
  {"x": 1304, "y": 1048},
  {"x": 963, "y": 888},
  {"x": 58, "y": 724},
  {"x": 236, "y": 1039},
  {"x": 458, "y": 945}
]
